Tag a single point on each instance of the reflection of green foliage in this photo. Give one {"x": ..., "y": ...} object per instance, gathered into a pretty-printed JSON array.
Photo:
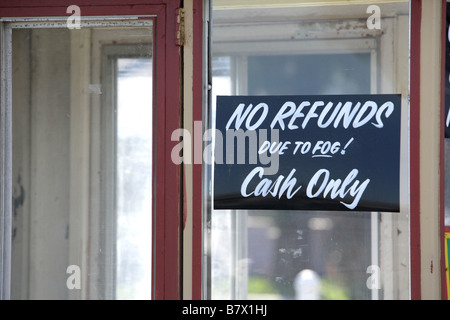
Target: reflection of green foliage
[
  {"x": 331, "y": 291},
  {"x": 124, "y": 292},
  {"x": 260, "y": 285}
]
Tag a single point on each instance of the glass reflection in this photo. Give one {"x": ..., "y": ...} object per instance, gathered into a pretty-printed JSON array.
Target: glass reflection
[
  {"x": 82, "y": 160},
  {"x": 134, "y": 178},
  {"x": 299, "y": 50}
]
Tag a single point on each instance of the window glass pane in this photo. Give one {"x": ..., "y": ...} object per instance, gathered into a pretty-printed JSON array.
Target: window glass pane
[
  {"x": 447, "y": 120},
  {"x": 134, "y": 178},
  {"x": 447, "y": 185},
  {"x": 309, "y": 74},
  {"x": 82, "y": 154},
  {"x": 274, "y": 48}
]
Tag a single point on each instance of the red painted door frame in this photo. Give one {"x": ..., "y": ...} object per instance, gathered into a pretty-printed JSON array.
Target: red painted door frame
[
  {"x": 415, "y": 246},
  {"x": 166, "y": 197},
  {"x": 197, "y": 194},
  {"x": 416, "y": 16},
  {"x": 166, "y": 254}
]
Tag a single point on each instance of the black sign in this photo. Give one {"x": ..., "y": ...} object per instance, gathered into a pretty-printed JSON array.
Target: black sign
[
  {"x": 447, "y": 77},
  {"x": 333, "y": 152}
]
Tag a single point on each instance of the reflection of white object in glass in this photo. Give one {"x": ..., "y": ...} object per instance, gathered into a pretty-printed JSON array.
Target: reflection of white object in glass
[
  {"x": 307, "y": 285},
  {"x": 134, "y": 178},
  {"x": 448, "y": 33}
]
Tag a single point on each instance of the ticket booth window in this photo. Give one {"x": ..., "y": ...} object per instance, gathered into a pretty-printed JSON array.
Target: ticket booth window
[
  {"x": 61, "y": 79},
  {"x": 93, "y": 201},
  {"x": 313, "y": 49},
  {"x": 101, "y": 196}
]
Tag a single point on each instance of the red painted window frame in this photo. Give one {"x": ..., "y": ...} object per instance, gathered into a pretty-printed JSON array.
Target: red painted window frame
[
  {"x": 166, "y": 278},
  {"x": 197, "y": 192},
  {"x": 166, "y": 197},
  {"x": 414, "y": 136},
  {"x": 415, "y": 261},
  {"x": 415, "y": 258}
]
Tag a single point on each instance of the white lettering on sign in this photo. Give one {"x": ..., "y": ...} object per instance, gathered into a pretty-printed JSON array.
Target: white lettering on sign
[
  {"x": 337, "y": 188},
  {"x": 319, "y": 185},
  {"x": 249, "y": 114},
  {"x": 290, "y": 116},
  {"x": 326, "y": 147},
  {"x": 269, "y": 187}
]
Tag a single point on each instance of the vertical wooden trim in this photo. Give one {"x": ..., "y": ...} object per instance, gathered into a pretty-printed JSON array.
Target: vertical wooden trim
[
  {"x": 416, "y": 17},
  {"x": 430, "y": 129},
  {"x": 420, "y": 268},
  {"x": 170, "y": 182},
  {"x": 5, "y": 163},
  {"x": 188, "y": 125},
  {"x": 193, "y": 108},
  {"x": 442, "y": 149},
  {"x": 198, "y": 104},
  {"x": 167, "y": 192},
  {"x": 79, "y": 149}
]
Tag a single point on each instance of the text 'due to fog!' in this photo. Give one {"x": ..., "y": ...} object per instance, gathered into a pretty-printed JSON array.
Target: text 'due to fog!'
[{"x": 331, "y": 152}]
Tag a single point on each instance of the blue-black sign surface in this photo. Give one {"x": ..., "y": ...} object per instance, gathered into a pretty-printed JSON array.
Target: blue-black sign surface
[
  {"x": 447, "y": 76},
  {"x": 331, "y": 152}
]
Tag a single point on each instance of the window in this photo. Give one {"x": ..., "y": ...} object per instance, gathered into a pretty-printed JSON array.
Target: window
[
  {"x": 82, "y": 131},
  {"x": 95, "y": 206},
  {"x": 296, "y": 49}
]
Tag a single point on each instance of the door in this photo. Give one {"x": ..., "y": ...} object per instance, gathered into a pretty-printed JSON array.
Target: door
[
  {"x": 95, "y": 210},
  {"x": 299, "y": 48}
]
